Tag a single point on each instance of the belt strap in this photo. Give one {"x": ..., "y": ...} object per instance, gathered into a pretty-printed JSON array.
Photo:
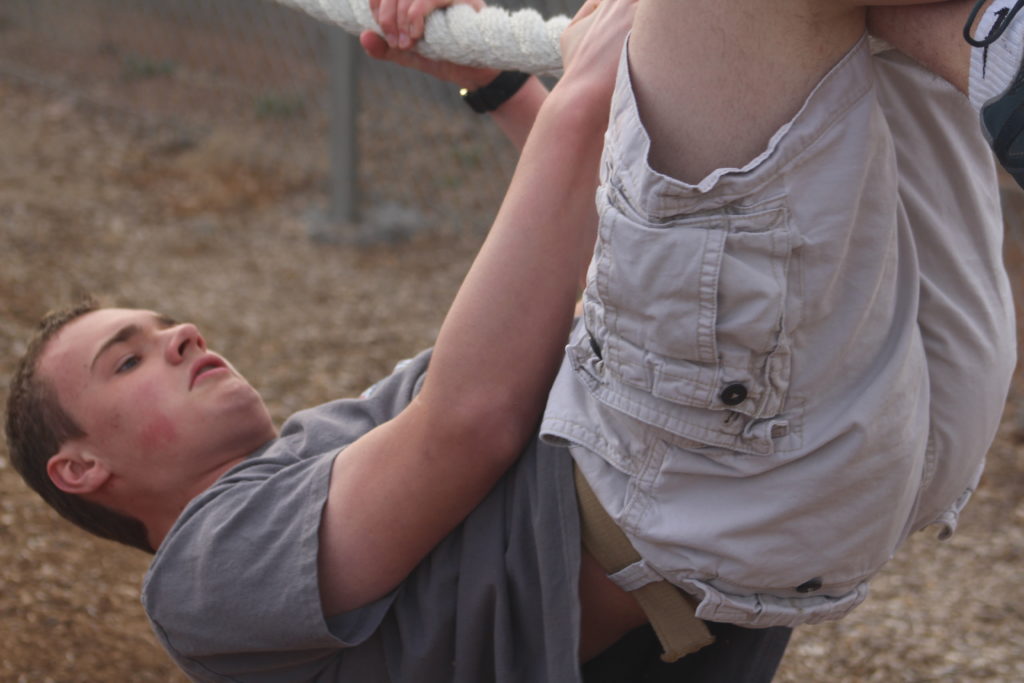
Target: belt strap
[{"x": 670, "y": 611}]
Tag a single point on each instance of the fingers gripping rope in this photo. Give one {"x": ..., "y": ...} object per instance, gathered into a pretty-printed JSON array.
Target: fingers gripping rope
[{"x": 492, "y": 37}]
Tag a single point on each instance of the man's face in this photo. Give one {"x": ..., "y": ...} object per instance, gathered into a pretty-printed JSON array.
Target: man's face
[{"x": 160, "y": 409}]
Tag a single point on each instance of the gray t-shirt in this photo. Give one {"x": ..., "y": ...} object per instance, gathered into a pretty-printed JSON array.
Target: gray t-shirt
[{"x": 232, "y": 593}]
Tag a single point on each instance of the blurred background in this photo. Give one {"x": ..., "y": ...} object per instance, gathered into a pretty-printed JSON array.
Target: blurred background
[
  {"x": 212, "y": 160},
  {"x": 302, "y": 100}
]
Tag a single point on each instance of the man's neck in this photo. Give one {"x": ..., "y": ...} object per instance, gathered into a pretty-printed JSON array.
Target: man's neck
[{"x": 161, "y": 518}]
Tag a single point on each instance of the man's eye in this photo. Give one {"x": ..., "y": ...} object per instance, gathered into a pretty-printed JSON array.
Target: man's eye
[{"x": 127, "y": 364}]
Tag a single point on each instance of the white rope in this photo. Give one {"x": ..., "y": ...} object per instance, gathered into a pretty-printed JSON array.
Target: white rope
[{"x": 493, "y": 37}]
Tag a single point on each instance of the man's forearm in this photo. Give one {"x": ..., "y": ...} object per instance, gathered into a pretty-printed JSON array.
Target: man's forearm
[{"x": 504, "y": 333}]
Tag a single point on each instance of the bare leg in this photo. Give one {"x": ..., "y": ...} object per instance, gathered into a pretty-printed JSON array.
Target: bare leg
[
  {"x": 714, "y": 79},
  {"x": 930, "y": 34}
]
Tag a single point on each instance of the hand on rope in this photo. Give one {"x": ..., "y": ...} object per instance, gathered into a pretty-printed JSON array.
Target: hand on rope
[
  {"x": 401, "y": 23},
  {"x": 515, "y": 115}
]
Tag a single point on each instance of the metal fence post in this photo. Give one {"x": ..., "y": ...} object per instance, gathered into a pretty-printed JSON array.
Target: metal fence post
[
  {"x": 344, "y": 108},
  {"x": 341, "y": 222}
]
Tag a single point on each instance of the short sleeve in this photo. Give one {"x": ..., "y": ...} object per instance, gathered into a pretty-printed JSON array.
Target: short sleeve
[{"x": 233, "y": 592}]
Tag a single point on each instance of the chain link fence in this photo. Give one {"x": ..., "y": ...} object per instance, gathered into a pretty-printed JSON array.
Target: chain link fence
[{"x": 261, "y": 84}]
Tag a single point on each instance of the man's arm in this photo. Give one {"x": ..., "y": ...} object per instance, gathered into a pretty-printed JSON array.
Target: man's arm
[{"x": 395, "y": 493}]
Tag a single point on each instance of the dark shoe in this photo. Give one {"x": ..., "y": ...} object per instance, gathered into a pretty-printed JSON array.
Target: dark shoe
[{"x": 1002, "y": 117}]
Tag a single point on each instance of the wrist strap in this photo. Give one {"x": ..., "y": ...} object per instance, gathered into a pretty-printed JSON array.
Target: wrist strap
[{"x": 495, "y": 93}]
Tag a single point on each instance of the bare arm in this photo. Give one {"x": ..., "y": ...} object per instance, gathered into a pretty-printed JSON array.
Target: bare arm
[
  {"x": 516, "y": 116},
  {"x": 395, "y": 493}
]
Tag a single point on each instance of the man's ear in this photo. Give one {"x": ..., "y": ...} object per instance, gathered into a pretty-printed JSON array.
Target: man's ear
[{"x": 74, "y": 470}]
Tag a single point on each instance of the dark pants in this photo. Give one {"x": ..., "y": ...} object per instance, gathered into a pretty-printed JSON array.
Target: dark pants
[{"x": 738, "y": 655}]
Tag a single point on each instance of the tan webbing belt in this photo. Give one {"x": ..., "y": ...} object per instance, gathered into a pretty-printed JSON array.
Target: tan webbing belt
[{"x": 670, "y": 611}]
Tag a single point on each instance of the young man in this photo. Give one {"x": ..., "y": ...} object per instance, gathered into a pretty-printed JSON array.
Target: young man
[
  {"x": 279, "y": 558},
  {"x": 206, "y": 562}
]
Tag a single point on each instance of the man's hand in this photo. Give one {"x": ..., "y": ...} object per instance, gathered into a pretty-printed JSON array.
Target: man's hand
[
  {"x": 401, "y": 25},
  {"x": 401, "y": 21},
  {"x": 515, "y": 117}
]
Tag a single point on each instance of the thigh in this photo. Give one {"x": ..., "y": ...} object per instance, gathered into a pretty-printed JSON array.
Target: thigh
[
  {"x": 698, "y": 298},
  {"x": 715, "y": 78},
  {"x": 949, "y": 190}
]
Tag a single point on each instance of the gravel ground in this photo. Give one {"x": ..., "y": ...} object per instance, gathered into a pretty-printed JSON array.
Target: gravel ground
[{"x": 97, "y": 201}]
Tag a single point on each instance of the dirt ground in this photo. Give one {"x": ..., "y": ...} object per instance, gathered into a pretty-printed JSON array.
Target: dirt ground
[{"x": 98, "y": 201}]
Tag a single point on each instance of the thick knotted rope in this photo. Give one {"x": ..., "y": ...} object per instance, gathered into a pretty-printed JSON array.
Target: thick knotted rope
[{"x": 493, "y": 37}]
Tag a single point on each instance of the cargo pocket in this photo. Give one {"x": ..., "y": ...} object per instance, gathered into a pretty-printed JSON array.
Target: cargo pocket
[{"x": 692, "y": 310}]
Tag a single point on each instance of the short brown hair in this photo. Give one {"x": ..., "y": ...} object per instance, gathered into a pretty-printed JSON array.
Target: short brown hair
[{"x": 37, "y": 427}]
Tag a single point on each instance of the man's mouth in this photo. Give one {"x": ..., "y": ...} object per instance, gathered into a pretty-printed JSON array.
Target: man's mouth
[{"x": 204, "y": 365}]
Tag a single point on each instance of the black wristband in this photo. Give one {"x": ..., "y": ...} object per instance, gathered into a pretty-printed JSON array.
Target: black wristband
[{"x": 495, "y": 93}]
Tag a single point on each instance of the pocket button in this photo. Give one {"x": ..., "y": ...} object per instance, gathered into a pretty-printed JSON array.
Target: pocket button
[{"x": 733, "y": 395}]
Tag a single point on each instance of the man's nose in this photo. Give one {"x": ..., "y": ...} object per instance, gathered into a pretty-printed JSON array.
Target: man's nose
[{"x": 181, "y": 338}]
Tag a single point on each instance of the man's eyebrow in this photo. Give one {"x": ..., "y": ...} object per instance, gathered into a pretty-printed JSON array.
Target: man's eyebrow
[
  {"x": 164, "y": 321},
  {"x": 127, "y": 332}
]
